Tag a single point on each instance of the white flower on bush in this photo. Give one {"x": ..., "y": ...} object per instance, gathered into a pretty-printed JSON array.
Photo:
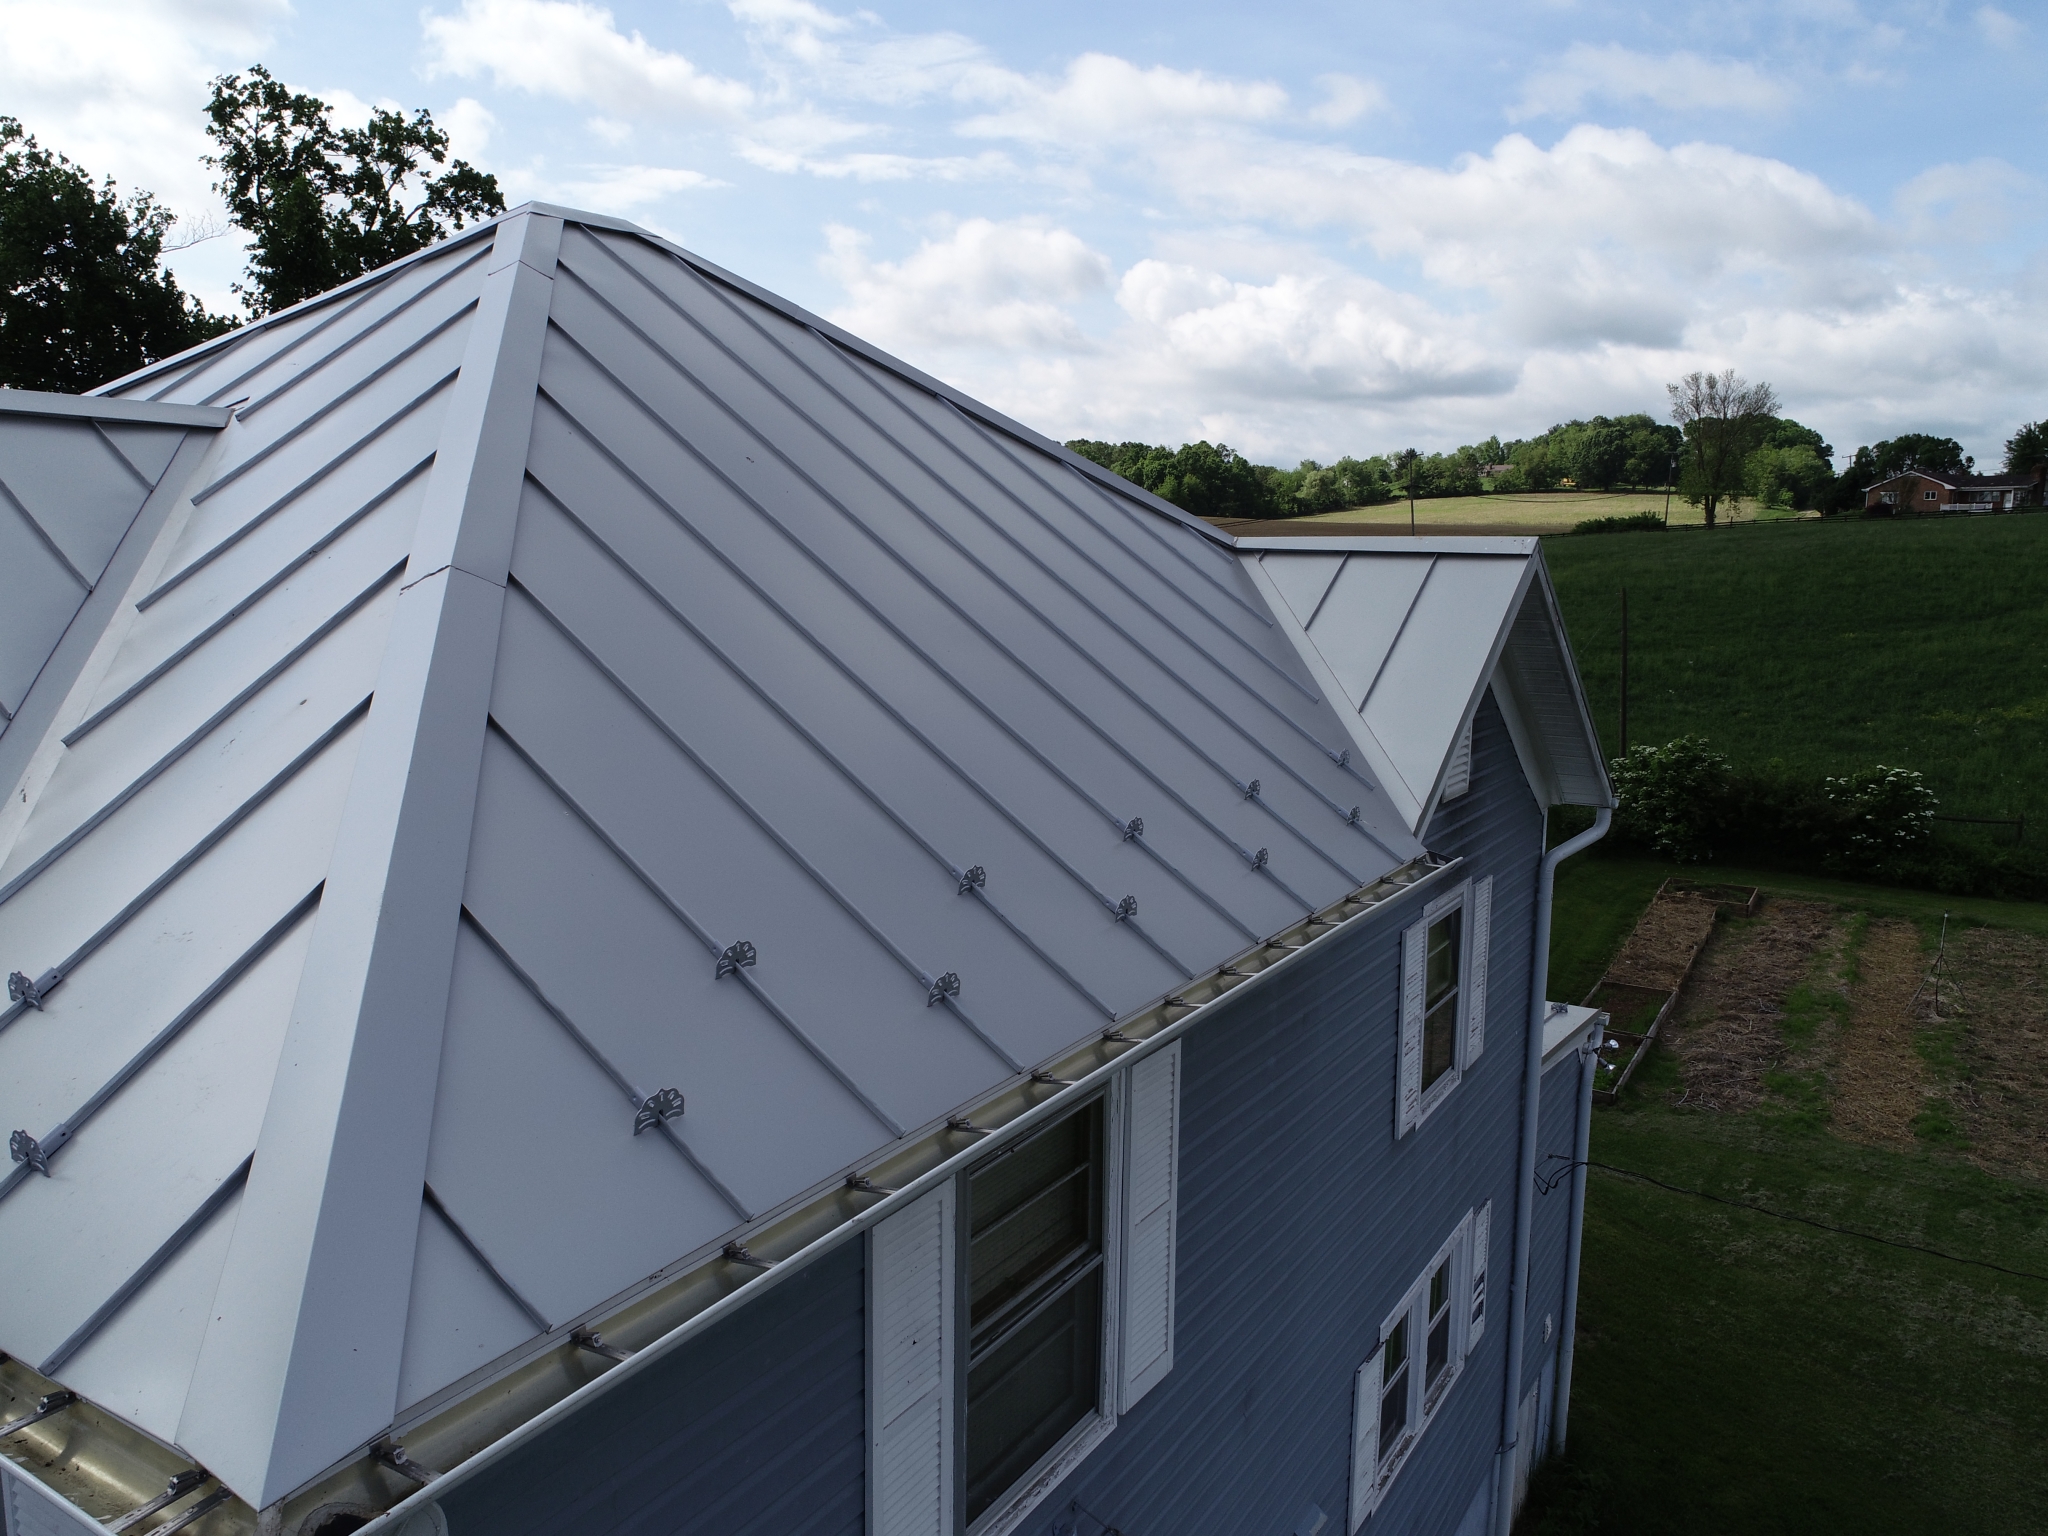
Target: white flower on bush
[{"x": 1890, "y": 809}]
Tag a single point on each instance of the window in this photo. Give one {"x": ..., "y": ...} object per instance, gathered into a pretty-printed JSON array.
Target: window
[
  {"x": 1440, "y": 998},
  {"x": 990, "y": 1376},
  {"x": 1397, "y": 1395},
  {"x": 1930, "y": 496},
  {"x": 1035, "y": 1307},
  {"x": 1443, "y": 998}
]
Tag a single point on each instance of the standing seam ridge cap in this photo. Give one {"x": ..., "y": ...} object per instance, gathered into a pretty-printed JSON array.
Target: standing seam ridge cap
[{"x": 300, "y": 1360}]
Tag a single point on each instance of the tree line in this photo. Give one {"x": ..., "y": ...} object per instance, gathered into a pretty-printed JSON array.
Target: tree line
[
  {"x": 84, "y": 295},
  {"x": 1727, "y": 443}
]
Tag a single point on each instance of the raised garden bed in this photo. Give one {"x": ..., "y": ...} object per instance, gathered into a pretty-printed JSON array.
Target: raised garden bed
[
  {"x": 1728, "y": 900},
  {"x": 1634, "y": 1015}
]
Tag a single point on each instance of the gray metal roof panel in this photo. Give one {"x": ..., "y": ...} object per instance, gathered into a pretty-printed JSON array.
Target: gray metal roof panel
[
  {"x": 777, "y": 642},
  {"x": 108, "y": 411}
]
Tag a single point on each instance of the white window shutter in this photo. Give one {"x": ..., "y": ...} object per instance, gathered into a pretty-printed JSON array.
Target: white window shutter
[
  {"x": 910, "y": 1370},
  {"x": 1414, "y": 959},
  {"x": 1151, "y": 1222},
  {"x": 1458, "y": 777},
  {"x": 1480, "y": 937},
  {"x": 1480, "y": 1225},
  {"x": 26, "y": 1509},
  {"x": 1365, "y": 1435}
]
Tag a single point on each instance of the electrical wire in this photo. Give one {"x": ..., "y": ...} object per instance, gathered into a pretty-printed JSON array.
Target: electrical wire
[{"x": 1550, "y": 1181}]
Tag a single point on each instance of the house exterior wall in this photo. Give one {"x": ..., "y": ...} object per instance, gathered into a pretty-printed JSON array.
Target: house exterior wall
[
  {"x": 1557, "y": 1132},
  {"x": 754, "y": 1426},
  {"x": 1303, "y": 1222}
]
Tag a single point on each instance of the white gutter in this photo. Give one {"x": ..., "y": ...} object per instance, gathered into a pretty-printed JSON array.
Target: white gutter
[
  {"x": 1574, "y": 1244},
  {"x": 1525, "y": 1180}
]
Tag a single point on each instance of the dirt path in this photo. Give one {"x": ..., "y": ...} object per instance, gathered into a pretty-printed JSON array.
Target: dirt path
[
  {"x": 1999, "y": 997},
  {"x": 1881, "y": 1082},
  {"x": 1727, "y": 1033}
]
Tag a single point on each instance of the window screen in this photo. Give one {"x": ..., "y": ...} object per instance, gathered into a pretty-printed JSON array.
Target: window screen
[
  {"x": 1440, "y": 997},
  {"x": 1035, "y": 1289}
]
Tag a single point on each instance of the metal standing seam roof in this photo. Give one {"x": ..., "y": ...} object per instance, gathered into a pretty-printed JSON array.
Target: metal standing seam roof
[{"x": 592, "y": 755}]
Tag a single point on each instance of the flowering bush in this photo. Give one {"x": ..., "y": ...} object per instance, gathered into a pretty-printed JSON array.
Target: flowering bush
[
  {"x": 1887, "y": 813},
  {"x": 1672, "y": 797}
]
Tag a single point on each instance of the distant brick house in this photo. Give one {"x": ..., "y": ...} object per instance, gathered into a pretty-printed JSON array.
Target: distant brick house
[{"x": 1927, "y": 490}]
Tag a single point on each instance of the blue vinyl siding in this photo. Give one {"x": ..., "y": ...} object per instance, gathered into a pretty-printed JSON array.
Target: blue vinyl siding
[
  {"x": 754, "y": 1426},
  {"x": 1557, "y": 1133},
  {"x": 1303, "y": 1223}
]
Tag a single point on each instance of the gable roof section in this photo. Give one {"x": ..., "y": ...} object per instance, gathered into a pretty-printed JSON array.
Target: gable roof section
[
  {"x": 78, "y": 479},
  {"x": 570, "y": 676},
  {"x": 1410, "y": 633}
]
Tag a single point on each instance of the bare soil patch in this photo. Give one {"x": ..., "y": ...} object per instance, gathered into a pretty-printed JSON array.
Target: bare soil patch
[
  {"x": 2000, "y": 994},
  {"x": 1880, "y": 1079},
  {"x": 1656, "y": 953},
  {"x": 1727, "y": 1033}
]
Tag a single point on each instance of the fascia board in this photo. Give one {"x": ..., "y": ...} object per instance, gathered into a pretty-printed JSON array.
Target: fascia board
[
  {"x": 148, "y": 413},
  {"x": 1009, "y": 1133},
  {"x": 1522, "y": 736},
  {"x": 301, "y": 1358},
  {"x": 1479, "y": 686},
  {"x": 1376, "y": 756},
  {"x": 1584, "y": 710},
  {"x": 1431, "y": 544}
]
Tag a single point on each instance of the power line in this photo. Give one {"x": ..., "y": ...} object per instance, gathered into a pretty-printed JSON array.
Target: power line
[{"x": 1552, "y": 1180}]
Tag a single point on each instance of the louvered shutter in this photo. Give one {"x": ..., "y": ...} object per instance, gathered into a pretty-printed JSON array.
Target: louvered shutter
[
  {"x": 1480, "y": 1225},
  {"x": 1458, "y": 777},
  {"x": 1365, "y": 1435},
  {"x": 910, "y": 1370},
  {"x": 29, "y": 1511},
  {"x": 1414, "y": 958},
  {"x": 1151, "y": 1221},
  {"x": 1480, "y": 929}
]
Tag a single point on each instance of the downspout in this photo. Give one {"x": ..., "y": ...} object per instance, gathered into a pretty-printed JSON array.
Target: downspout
[
  {"x": 1525, "y": 1178},
  {"x": 1574, "y": 1245}
]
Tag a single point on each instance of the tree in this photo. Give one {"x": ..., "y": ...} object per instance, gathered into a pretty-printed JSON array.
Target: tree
[
  {"x": 1919, "y": 450},
  {"x": 2027, "y": 449},
  {"x": 83, "y": 295},
  {"x": 322, "y": 203},
  {"x": 1721, "y": 416},
  {"x": 1207, "y": 479}
]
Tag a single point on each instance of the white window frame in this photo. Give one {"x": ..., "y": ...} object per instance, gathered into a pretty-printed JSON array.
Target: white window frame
[
  {"x": 1371, "y": 1482},
  {"x": 1474, "y": 898}
]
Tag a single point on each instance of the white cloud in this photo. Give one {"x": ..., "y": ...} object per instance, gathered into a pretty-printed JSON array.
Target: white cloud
[
  {"x": 1101, "y": 101},
  {"x": 855, "y": 57},
  {"x": 1005, "y": 285},
  {"x": 611, "y": 130},
  {"x": 2000, "y": 29},
  {"x": 1968, "y": 203},
  {"x": 470, "y": 126},
  {"x": 619, "y": 189},
  {"x": 1346, "y": 98},
  {"x": 575, "y": 51},
  {"x": 1674, "y": 82}
]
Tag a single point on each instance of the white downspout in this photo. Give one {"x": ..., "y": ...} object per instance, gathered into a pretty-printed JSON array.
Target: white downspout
[
  {"x": 1525, "y": 1178},
  {"x": 1574, "y": 1246}
]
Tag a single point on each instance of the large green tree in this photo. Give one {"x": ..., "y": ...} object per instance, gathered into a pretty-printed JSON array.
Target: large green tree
[
  {"x": 324, "y": 203},
  {"x": 84, "y": 297},
  {"x": 1207, "y": 479},
  {"x": 2027, "y": 449},
  {"x": 1723, "y": 418}
]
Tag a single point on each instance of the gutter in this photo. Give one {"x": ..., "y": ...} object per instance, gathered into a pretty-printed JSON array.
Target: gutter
[
  {"x": 1002, "y": 1117},
  {"x": 1525, "y": 1177},
  {"x": 1589, "y": 1059}
]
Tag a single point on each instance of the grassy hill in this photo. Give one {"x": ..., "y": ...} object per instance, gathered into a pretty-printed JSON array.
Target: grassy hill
[{"x": 1831, "y": 645}]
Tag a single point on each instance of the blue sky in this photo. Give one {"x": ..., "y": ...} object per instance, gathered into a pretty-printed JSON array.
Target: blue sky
[{"x": 1305, "y": 230}]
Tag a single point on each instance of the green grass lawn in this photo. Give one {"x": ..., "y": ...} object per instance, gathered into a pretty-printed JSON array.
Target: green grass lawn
[
  {"x": 1542, "y": 511},
  {"x": 1829, "y": 646},
  {"x": 1740, "y": 1373}
]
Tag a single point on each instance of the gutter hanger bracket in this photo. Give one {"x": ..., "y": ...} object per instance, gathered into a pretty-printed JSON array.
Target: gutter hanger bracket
[
  {"x": 664, "y": 1104},
  {"x": 736, "y": 1253},
  {"x": 963, "y": 1124},
  {"x": 1045, "y": 1077},
  {"x": 391, "y": 1454},
  {"x": 592, "y": 1340},
  {"x": 47, "y": 1406},
  {"x": 181, "y": 1483},
  {"x": 862, "y": 1184}
]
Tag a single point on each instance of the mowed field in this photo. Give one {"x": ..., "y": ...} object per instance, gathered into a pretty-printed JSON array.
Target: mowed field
[
  {"x": 1829, "y": 646},
  {"x": 1539, "y": 511}
]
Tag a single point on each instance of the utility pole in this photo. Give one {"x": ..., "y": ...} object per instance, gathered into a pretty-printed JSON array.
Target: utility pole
[
  {"x": 1624, "y": 671},
  {"x": 1670, "y": 476},
  {"x": 1408, "y": 463}
]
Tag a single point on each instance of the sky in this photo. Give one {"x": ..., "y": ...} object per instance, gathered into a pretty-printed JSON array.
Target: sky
[{"x": 1302, "y": 229}]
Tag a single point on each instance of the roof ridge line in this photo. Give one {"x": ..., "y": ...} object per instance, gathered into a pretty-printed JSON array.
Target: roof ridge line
[{"x": 308, "y": 1324}]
